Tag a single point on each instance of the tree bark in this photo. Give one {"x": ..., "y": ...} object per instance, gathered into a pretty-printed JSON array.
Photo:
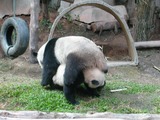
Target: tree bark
[
  {"x": 34, "y": 35},
  {"x": 144, "y": 19},
  {"x": 45, "y": 9}
]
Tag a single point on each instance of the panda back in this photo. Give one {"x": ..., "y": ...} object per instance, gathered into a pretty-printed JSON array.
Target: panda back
[{"x": 76, "y": 45}]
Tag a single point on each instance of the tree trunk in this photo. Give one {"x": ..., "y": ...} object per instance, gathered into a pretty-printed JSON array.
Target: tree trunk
[
  {"x": 34, "y": 35},
  {"x": 45, "y": 9},
  {"x": 144, "y": 15}
]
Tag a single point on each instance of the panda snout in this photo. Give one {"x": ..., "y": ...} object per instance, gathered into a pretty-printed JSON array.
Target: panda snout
[{"x": 95, "y": 82}]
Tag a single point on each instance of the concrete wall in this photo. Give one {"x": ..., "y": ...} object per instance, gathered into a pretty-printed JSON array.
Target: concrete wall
[{"x": 22, "y": 7}]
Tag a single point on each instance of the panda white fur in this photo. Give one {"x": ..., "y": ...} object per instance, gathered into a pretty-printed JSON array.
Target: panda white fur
[
  {"x": 58, "y": 78},
  {"x": 83, "y": 62}
]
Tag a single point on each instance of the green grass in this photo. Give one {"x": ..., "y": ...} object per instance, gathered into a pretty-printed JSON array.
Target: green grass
[
  {"x": 23, "y": 93},
  {"x": 31, "y": 96},
  {"x": 157, "y": 104},
  {"x": 45, "y": 23}
]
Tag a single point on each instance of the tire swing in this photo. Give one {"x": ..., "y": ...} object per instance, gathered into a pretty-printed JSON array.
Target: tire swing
[{"x": 15, "y": 37}]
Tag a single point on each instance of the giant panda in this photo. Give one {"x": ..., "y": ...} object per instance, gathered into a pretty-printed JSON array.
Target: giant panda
[{"x": 83, "y": 61}]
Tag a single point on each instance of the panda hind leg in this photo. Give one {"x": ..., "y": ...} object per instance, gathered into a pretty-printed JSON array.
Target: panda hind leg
[
  {"x": 69, "y": 92},
  {"x": 50, "y": 63},
  {"x": 47, "y": 75}
]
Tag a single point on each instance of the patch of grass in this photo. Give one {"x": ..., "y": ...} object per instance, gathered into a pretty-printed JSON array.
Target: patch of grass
[
  {"x": 132, "y": 87},
  {"x": 33, "y": 97},
  {"x": 68, "y": 17},
  {"x": 108, "y": 103},
  {"x": 45, "y": 23},
  {"x": 59, "y": 26},
  {"x": 157, "y": 104}
]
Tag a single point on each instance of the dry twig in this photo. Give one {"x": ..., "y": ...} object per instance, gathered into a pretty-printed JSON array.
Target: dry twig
[
  {"x": 118, "y": 90},
  {"x": 155, "y": 67}
]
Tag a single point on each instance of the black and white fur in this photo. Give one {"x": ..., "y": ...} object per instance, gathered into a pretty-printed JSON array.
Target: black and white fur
[
  {"x": 82, "y": 59},
  {"x": 89, "y": 77}
]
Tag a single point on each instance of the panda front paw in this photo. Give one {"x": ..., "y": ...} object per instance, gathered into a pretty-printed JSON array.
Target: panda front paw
[
  {"x": 72, "y": 101},
  {"x": 75, "y": 103},
  {"x": 44, "y": 84},
  {"x": 69, "y": 92},
  {"x": 50, "y": 86},
  {"x": 94, "y": 94}
]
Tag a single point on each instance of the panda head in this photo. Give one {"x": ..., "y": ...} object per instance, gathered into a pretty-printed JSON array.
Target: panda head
[{"x": 94, "y": 78}]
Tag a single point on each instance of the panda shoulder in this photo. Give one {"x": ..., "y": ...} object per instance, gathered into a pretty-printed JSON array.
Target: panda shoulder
[{"x": 51, "y": 43}]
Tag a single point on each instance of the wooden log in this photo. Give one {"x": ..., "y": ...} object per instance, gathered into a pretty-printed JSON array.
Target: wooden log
[
  {"x": 37, "y": 115},
  {"x": 147, "y": 44}
]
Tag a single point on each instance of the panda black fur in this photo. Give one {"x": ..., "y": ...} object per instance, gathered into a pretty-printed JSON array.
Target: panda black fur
[{"x": 81, "y": 57}]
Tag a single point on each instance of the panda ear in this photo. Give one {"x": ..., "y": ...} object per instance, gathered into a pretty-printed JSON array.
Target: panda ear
[{"x": 95, "y": 82}]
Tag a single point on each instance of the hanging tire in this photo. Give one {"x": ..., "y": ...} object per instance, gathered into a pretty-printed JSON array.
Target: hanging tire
[{"x": 18, "y": 28}]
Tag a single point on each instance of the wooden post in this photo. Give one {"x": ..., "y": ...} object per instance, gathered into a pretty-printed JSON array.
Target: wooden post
[{"x": 34, "y": 35}]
